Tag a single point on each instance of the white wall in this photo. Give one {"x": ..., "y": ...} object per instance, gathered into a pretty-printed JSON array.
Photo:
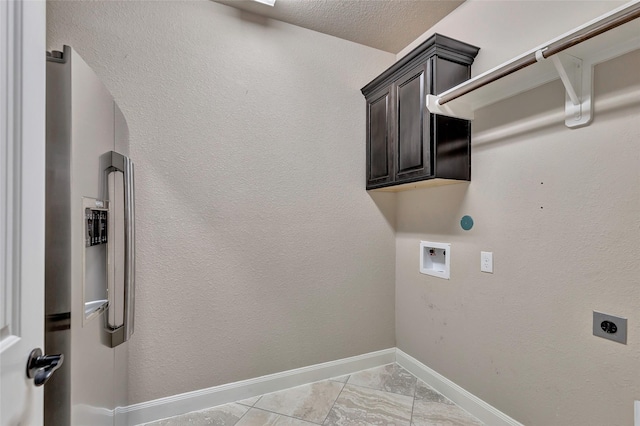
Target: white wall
[
  {"x": 560, "y": 210},
  {"x": 258, "y": 248}
]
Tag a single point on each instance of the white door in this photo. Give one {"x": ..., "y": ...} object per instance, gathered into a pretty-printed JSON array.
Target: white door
[{"x": 22, "y": 192}]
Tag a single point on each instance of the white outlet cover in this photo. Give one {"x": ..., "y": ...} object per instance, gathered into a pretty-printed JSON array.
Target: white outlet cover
[
  {"x": 637, "y": 413},
  {"x": 486, "y": 261}
]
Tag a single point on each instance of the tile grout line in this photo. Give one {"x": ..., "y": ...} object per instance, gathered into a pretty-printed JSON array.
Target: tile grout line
[
  {"x": 336, "y": 400},
  {"x": 301, "y": 419},
  {"x": 288, "y": 416},
  {"x": 283, "y": 415},
  {"x": 291, "y": 417},
  {"x": 413, "y": 403},
  {"x": 247, "y": 405},
  {"x": 250, "y": 407},
  {"x": 245, "y": 413}
]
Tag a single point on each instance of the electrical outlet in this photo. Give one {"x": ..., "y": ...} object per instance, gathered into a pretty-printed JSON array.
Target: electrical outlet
[
  {"x": 637, "y": 413},
  {"x": 610, "y": 327},
  {"x": 486, "y": 261}
]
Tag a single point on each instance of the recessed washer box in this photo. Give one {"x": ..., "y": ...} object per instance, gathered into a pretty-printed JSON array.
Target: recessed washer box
[{"x": 435, "y": 259}]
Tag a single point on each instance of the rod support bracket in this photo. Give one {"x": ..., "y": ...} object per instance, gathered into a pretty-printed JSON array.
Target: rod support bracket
[{"x": 577, "y": 79}]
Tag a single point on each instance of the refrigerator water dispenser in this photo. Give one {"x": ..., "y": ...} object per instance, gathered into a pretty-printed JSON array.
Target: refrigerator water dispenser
[{"x": 96, "y": 215}]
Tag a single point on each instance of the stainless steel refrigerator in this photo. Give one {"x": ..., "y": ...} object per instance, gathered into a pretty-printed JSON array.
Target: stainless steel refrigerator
[{"x": 90, "y": 246}]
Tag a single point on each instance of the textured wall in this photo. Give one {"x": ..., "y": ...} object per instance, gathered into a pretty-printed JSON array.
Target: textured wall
[
  {"x": 258, "y": 248},
  {"x": 560, "y": 210}
]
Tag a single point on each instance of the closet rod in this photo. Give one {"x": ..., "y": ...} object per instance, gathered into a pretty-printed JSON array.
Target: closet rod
[{"x": 597, "y": 28}]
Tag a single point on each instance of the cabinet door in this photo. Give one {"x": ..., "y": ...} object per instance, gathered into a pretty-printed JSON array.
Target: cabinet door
[
  {"x": 413, "y": 146},
  {"x": 379, "y": 139}
]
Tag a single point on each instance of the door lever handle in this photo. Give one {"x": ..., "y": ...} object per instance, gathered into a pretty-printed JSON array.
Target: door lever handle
[{"x": 40, "y": 367}]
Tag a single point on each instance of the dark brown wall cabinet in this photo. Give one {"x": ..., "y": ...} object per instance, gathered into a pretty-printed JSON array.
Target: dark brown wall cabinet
[{"x": 407, "y": 146}]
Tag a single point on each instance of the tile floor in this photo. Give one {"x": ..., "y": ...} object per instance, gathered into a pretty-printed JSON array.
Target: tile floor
[{"x": 387, "y": 395}]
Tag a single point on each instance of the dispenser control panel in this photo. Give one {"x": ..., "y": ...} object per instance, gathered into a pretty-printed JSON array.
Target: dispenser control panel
[{"x": 95, "y": 220}]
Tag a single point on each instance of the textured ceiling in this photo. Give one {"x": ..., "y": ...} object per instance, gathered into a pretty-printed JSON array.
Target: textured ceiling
[{"x": 388, "y": 25}]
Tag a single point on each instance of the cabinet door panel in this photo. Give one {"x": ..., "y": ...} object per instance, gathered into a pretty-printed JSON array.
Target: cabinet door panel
[
  {"x": 452, "y": 152},
  {"x": 453, "y": 156},
  {"x": 379, "y": 154},
  {"x": 447, "y": 74},
  {"x": 412, "y": 132}
]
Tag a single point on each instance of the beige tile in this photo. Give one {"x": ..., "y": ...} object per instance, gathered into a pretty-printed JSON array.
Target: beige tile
[
  {"x": 308, "y": 402},
  {"x": 257, "y": 417},
  {"x": 426, "y": 393},
  {"x": 428, "y": 413},
  {"x": 363, "y": 406},
  {"x": 431, "y": 408},
  {"x": 388, "y": 378},
  {"x": 223, "y": 415}
]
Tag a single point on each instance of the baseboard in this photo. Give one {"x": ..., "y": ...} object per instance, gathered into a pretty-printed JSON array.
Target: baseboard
[
  {"x": 486, "y": 413},
  {"x": 204, "y": 398}
]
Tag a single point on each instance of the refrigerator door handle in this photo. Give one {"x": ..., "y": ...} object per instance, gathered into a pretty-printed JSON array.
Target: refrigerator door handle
[{"x": 117, "y": 162}]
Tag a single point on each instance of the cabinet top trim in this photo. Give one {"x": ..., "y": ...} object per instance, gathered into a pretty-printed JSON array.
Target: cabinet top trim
[{"x": 436, "y": 45}]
